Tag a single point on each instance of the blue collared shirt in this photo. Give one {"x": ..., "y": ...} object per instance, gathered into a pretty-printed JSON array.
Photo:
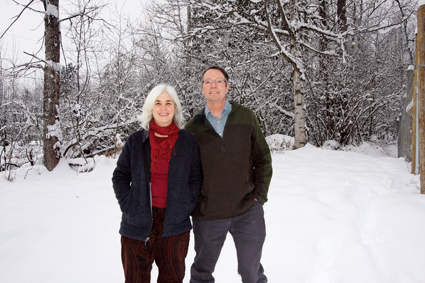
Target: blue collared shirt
[{"x": 218, "y": 124}]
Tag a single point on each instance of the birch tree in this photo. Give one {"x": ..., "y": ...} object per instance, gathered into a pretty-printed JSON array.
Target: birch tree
[{"x": 292, "y": 28}]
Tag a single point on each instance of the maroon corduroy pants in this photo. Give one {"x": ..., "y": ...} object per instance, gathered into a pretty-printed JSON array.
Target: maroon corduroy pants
[{"x": 169, "y": 254}]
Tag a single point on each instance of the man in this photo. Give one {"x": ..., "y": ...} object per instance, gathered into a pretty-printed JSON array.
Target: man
[{"x": 237, "y": 170}]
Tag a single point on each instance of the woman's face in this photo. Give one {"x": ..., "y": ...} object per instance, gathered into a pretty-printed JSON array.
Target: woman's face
[{"x": 163, "y": 110}]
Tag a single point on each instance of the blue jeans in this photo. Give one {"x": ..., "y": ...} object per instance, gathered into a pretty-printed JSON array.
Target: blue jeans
[{"x": 248, "y": 231}]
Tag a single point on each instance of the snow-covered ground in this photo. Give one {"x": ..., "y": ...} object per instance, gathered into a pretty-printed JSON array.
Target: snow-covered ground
[{"x": 332, "y": 217}]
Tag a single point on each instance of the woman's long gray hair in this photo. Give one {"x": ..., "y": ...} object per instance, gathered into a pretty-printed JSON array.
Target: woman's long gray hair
[{"x": 146, "y": 116}]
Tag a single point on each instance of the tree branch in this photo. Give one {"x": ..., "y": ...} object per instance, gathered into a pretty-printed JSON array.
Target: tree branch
[{"x": 17, "y": 17}]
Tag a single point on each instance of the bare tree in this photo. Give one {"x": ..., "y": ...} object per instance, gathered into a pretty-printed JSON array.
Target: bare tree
[
  {"x": 284, "y": 58},
  {"x": 52, "y": 131},
  {"x": 306, "y": 34},
  {"x": 77, "y": 98},
  {"x": 293, "y": 27}
]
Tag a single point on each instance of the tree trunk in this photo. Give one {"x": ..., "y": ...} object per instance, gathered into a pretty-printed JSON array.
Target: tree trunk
[
  {"x": 300, "y": 134},
  {"x": 328, "y": 115},
  {"x": 341, "y": 11},
  {"x": 299, "y": 111},
  {"x": 51, "y": 131}
]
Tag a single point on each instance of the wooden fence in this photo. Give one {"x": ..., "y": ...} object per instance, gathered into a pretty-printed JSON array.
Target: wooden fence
[{"x": 411, "y": 143}]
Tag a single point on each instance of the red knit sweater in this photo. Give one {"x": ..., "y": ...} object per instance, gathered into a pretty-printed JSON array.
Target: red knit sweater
[{"x": 159, "y": 181}]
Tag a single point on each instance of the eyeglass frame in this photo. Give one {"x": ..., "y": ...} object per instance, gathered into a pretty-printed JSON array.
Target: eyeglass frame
[{"x": 216, "y": 83}]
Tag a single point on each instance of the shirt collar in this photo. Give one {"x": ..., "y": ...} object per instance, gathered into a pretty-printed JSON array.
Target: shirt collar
[{"x": 227, "y": 108}]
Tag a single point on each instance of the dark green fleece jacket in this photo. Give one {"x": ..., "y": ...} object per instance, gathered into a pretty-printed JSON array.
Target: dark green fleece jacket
[{"x": 237, "y": 168}]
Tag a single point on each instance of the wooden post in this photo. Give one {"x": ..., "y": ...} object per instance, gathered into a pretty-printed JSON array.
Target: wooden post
[
  {"x": 420, "y": 37},
  {"x": 415, "y": 112}
]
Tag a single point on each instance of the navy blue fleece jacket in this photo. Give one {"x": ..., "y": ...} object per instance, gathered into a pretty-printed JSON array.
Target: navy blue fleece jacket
[{"x": 132, "y": 189}]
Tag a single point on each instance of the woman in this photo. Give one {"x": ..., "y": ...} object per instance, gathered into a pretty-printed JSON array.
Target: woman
[{"x": 157, "y": 183}]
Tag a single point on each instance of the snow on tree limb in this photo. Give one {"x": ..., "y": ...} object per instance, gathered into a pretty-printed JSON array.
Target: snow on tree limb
[
  {"x": 54, "y": 65},
  {"x": 54, "y": 130},
  {"x": 52, "y": 10}
]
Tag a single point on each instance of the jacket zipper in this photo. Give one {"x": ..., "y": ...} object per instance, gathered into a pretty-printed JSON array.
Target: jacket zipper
[{"x": 150, "y": 197}]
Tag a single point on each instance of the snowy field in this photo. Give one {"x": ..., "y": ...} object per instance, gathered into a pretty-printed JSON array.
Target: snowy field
[{"x": 332, "y": 217}]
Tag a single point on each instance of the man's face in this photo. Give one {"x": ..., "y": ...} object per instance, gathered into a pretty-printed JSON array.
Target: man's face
[{"x": 214, "y": 92}]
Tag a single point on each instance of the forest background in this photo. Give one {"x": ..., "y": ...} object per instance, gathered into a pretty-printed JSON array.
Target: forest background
[{"x": 316, "y": 70}]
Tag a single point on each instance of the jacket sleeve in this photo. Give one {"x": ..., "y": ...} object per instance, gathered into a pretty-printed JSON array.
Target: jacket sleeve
[
  {"x": 121, "y": 177},
  {"x": 195, "y": 177},
  {"x": 262, "y": 163}
]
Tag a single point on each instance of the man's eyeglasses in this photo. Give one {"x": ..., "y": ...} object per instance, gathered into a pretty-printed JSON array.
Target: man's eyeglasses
[{"x": 219, "y": 82}]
